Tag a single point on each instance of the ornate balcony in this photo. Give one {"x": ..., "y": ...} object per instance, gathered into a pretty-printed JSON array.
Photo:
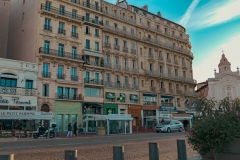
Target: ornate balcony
[
  {"x": 126, "y": 85},
  {"x": 92, "y": 6},
  {"x": 74, "y": 34},
  {"x": 61, "y": 31},
  {"x": 56, "y": 11},
  {"x": 117, "y": 67},
  {"x": 125, "y": 68},
  {"x": 125, "y": 49},
  {"x": 108, "y": 65},
  {"x": 134, "y": 86},
  {"x": 68, "y": 97},
  {"x": 107, "y": 45},
  {"x": 134, "y": 70},
  {"x": 92, "y": 21},
  {"x": 18, "y": 91},
  {"x": 167, "y": 104},
  {"x": 133, "y": 51},
  {"x": 47, "y": 28},
  {"x": 93, "y": 81},
  {"x": 118, "y": 85},
  {"x": 116, "y": 47},
  {"x": 160, "y": 58},
  {"x": 149, "y": 103},
  {"x": 94, "y": 63},
  {"x": 74, "y": 78},
  {"x": 46, "y": 74},
  {"x": 162, "y": 90},
  {"x": 56, "y": 53},
  {"x": 108, "y": 84},
  {"x": 60, "y": 76}
]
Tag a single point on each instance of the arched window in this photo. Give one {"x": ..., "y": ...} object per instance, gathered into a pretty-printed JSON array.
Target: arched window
[{"x": 45, "y": 108}]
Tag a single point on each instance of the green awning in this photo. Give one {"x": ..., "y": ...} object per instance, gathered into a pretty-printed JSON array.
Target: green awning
[
  {"x": 134, "y": 97},
  {"x": 110, "y": 95}
]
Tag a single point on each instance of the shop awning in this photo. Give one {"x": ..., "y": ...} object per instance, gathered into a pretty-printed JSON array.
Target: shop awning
[
  {"x": 92, "y": 104},
  {"x": 110, "y": 95},
  {"x": 26, "y": 115},
  {"x": 150, "y": 95},
  {"x": 92, "y": 53},
  {"x": 169, "y": 97},
  {"x": 134, "y": 97}
]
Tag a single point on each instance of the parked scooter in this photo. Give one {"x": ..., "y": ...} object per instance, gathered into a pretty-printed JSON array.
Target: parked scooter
[{"x": 43, "y": 132}]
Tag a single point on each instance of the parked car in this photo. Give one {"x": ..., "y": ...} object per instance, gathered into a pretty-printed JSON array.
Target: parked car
[{"x": 169, "y": 126}]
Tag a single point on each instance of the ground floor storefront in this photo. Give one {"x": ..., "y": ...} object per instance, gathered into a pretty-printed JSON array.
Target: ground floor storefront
[
  {"x": 66, "y": 112},
  {"x": 112, "y": 123},
  {"x": 110, "y": 109}
]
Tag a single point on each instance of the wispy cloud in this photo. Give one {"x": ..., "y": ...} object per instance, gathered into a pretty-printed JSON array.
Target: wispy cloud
[
  {"x": 189, "y": 12},
  {"x": 231, "y": 49},
  {"x": 213, "y": 13}
]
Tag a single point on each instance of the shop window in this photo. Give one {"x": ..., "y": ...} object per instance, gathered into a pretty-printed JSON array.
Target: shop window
[
  {"x": 45, "y": 108},
  {"x": 30, "y": 108},
  {"x": 29, "y": 84},
  {"x": 16, "y": 108},
  {"x": 92, "y": 92}
]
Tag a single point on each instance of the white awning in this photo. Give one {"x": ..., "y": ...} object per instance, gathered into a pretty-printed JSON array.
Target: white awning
[{"x": 92, "y": 53}]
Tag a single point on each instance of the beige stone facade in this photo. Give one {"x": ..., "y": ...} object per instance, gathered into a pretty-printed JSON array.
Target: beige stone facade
[{"x": 102, "y": 54}]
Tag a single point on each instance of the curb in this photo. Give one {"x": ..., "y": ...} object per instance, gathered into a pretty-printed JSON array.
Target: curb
[{"x": 8, "y": 139}]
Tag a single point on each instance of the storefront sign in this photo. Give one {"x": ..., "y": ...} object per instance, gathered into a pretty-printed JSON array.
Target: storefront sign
[
  {"x": 167, "y": 108},
  {"x": 19, "y": 101},
  {"x": 25, "y": 115}
]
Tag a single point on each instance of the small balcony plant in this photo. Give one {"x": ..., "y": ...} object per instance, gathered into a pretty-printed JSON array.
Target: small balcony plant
[{"x": 218, "y": 129}]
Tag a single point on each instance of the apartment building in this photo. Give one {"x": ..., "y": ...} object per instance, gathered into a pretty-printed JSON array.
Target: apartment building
[
  {"x": 95, "y": 57},
  {"x": 148, "y": 61}
]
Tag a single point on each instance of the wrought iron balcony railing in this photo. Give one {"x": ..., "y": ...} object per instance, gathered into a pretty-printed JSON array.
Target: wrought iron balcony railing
[
  {"x": 48, "y": 28},
  {"x": 74, "y": 78},
  {"x": 107, "y": 45},
  {"x": 60, "y": 76},
  {"x": 74, "y": 34},
  {"x": 93, "y": 81},
  {"x": 68, "y": 97},
  {"x": 46, "y": 74},
  {"x": 18, "y": 91},
  {"x": 92, "y": 6}
]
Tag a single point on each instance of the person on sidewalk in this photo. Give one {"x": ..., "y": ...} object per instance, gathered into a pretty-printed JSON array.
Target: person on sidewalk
[
  {"x": 75, "y": 129},
  {"x": 185, "y": 125},
  {"x": 162, "y": 121},
  {"x": 69, "y": 130}
]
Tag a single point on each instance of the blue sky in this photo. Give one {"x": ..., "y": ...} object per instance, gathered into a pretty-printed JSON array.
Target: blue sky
[{"x": 213, "y": 26}]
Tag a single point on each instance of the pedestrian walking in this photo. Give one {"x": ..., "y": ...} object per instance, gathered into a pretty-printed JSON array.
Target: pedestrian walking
[
  {"x": 69, "y": 130},
  {"x": 75, "y": 129},
  {"x": 185, "y": 125},
  {"x": 162, "y": 121}
]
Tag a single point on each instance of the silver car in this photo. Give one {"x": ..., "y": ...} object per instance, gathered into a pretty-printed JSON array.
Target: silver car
[{"x": 168, "y": 126}]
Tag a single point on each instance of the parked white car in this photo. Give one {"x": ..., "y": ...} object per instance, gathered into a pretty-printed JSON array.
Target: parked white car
[{"x": 169, "y": 126}]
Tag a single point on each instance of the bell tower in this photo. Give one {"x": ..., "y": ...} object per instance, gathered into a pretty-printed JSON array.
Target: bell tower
[{"x": 224, "y": 65}]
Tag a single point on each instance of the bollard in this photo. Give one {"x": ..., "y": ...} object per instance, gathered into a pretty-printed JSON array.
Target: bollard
[
  {"x": 118, "y": 152},
  {"x": 153, "y": 151},
  {"x": 181, "y": 149},
  {"x": 71, "y": 155},
  {"x": 7, "y": 157}
]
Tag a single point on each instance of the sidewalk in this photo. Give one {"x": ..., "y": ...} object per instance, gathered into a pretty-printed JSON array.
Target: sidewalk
[{"x": 195, "y": 158}]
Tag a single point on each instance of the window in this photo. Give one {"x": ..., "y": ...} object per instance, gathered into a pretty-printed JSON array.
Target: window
[
  {"x": 29, "y": 84},
  {"x": 140, "y": 20},
  {"x": 22, "y": 16},
  {"x": 125, "y": 44},
  {"x": 61, "y": 28},
  {"x": 48, "y": 6},
  {"x": 150, "y": 51},
  {"x": 62, "y": 10},
  {"x": 60, "y": 92},
  {"x": 87, "y": 44},
  {"x": 47, "y": 24},
  {"x": 133, "y": 45},
  {"x": 60, "y": 50},
  {"x": 132, "y": 31},
  {"x": 73, "y": 93},
  {"x": 124, "y": 29},
  {"x": 8, "y": 82},
  {"x": 106, "y": 39},
  {"x": 184, "y": 74},
  {"x": 67, "y": 93},
  {"x": 142, "y": 65},
  {"x": 135, "y": 11},
  {"x": 169, "y": 70},
  {"x": 107, "y": 77},
  {"x": 115, "y": 26},
  {"x": 152, "y": 83},
  {"x": 45, "y": 68},
  {"x": 161, "y": 69},
  {"x": 142, "y": 83},
  {"x": 74, "y": 31},
  {"x": 96, "y": 32},
  {"x": 141, "y": 51},
  {"x": 133, "y": 64},
  {"x": 74, "y": 53},
  {"x": 74, "y": 14},
  {"x": 125, "y": 63},
  {"x": 176, "y": 72},
  {"x": 60, "y": 72},
  {"x": 151, "y": 67},
  {"x": 107, "y": 23},
  {"x": 134, "y": 81},
  {"x": 116, "y": 60},
  {"x": 87, "y": 76},
  {"x": 162, "y": 84},
  {"x": 107, "y": 59},
  {"x": 87, "y": 31},
  {"x": 115, "y": 41},
  {"x": 117, "y": 79},
  {"x": 96, "y": 62},
  {"x": 74, "y": 71},
  {"x": 126, "y": 80},
  {"x": 46, "y": 47},
  {"x": 45, "y": 90},
  {"x": 96, "y": 46},
  {"x": 92, "y": 92},
  {"x": 87, "y": 17},
  {"x": 96, "y": 19}
]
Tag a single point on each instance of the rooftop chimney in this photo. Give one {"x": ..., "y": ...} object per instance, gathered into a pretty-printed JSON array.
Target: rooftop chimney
[
  {"x": 159, "y": 14},
  {"x": 145, "y": 7}
]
